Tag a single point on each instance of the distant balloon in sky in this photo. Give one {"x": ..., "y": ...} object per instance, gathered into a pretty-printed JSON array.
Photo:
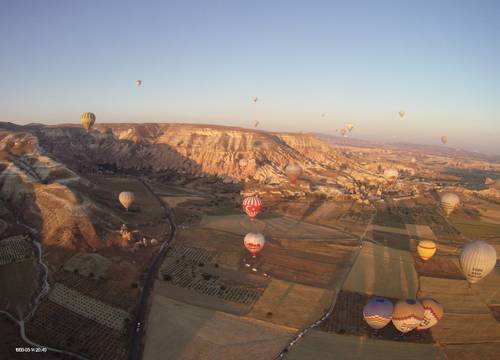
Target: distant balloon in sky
[
  {"x": 255, "y": 99},
  {"x": 254, "y": 242},
  {"x": 391, "y": 174},
  {"x": 426, "y": 249},
  {"x": 444, "y": 139},
  {"x": 138, "y": 83},
  {"x": 293, "y": 172},
  {"x": 402, "y": 114},
  {"x": 433, "y": 313},
  {"x": 378, "y": 312},
  {"x": 349, "y": 127},
  {"x": 449, "y": 202},
  {"x": 252, "y": 206},
  {"x": 126, "y": 198},
  {"x": 87, "y": 120},
  {"x": 407, "y": 315},
  {"x": 343, "y": 132},
  {"x": 477, "y": 259}
]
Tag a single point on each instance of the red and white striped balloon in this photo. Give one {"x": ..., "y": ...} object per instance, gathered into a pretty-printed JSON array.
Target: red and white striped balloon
[{"x": 252, "y": 206}]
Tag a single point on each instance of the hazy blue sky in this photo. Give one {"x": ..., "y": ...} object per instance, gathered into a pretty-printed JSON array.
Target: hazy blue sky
[{"x": 202, "y": 61}]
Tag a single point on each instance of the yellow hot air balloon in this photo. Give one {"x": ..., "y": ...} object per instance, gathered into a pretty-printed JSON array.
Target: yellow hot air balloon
[
  {"x": 426, "y": 249},
  {"x": 444, "y": 139},
  {"x": 126, "y": 198},
  {"x": 87, "y": 119}
]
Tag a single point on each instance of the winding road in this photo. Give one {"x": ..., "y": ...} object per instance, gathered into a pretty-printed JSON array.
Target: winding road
[{"x": 149, "y": 279}]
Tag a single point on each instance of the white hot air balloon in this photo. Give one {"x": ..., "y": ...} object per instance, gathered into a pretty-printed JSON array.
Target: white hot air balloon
[
  {"x": 126, "y": 198},
  {"x": 243, "y": 163},
  {"x": 433, "y": 313},
  {"x": 349, "y": 127},
  {"x": 293, "y": 172},
  {"x": 449, "y": 202},
  {"x": 138, "y": 83},
  {"x": 255, "y": 99},
  {"x": 254, "y": 242},
  {"x": 477, "y": 260}
]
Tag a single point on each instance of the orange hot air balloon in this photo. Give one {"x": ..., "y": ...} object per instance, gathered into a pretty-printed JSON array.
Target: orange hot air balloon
[
  {"x": 252, "y": 206},
  {"x": 426, "y": 249},
  {"x": 254, "y": 242},
  {"x": 402, "y": 114},
  {"x": 293, "y": 172}
]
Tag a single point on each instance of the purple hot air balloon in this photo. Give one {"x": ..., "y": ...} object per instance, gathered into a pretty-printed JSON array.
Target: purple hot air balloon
[{"x": 378, "y": 312}]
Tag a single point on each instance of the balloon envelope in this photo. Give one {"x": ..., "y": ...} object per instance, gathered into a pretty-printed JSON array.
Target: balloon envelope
[
  {"x": 444, "y": 139},
  {"x": 449, "y": 202},
  {"x": 254, "y": 242},
  {"x": 378, "y": 312},
  {"x": 433, "y": 312},
  {"x": 402, "y": 114},
  {"x": 87, "y": 120},
  {"x": 407, "y": 315},
  {"x": 477, "y": 260},
  {"x": 252, "y": 206},
  {"x": 391, "y": 174},
  {"x": 138, "y": 83},
  {"x": 293, "y": 172},
  {"x": 126, "y": 198},
  {"x": 426, "y": 249}
]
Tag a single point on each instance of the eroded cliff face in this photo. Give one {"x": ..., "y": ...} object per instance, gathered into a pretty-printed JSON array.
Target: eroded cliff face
[
  {"x": 35, "y": 187},
  {"x": 197, "y": 150}
]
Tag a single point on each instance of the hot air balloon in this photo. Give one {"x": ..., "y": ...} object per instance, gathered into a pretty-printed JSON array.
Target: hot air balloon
[
  {"x": 255, "y": 99},
  {"x": 243, "y": 163},
  {"x": 343, "y": 132},
  {"x": 413, "y": 160},
  {"x": 402, "y": 114},
  {"x": 349, "y": 127},
  {"x": 138, "y": 83},
  {"x": 391, "y": 174},
  {"x": 407, "y": 315},
  {"x": 126, "y": 198},
  {"x": 87, "y": 119},
  {"x": 252, "y": 206},
  {"x": 254, "y": 242},
  {"x": 426, "y": 249},
  {"x": 444, "y": 139},
  {"x": 449, "y": 202},
  {"x": 477, "y": 259},
  {"x": 433, "y": 312},
  {"x": 293, "y": 172},
  {"x": 378, "y": 312}
]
